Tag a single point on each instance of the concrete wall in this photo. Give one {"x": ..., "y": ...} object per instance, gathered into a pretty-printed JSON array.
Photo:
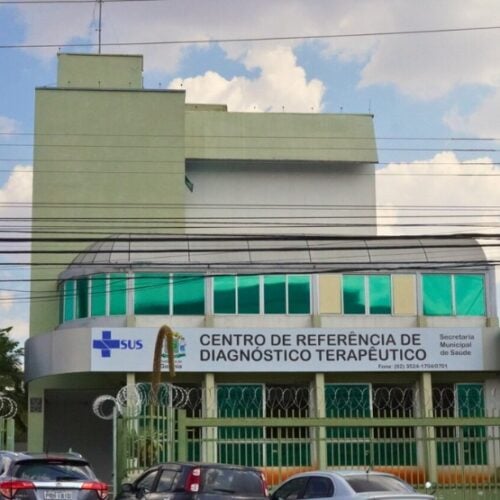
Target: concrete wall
[
  {"x": 102, "y": 159},
  {"x": 282, "y": 197},
  {"x": 108, "y": 153},
  {"x": 280, "y": 136},
  {"x": 99, "y": 71}
]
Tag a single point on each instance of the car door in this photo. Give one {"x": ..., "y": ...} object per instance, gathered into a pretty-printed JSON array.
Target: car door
[
  {"x": 140, "y": 488},
  {"x": 291, "y": 489},
  {"x": 163, "y": 487},
  {"x": 318, "y": 487}
]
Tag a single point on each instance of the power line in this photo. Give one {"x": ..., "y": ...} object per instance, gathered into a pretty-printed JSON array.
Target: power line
[
  {"x": 168, "y": 173},
  {"x": 234, "y": 206},
  {"x": 32, "y": 2},
  {"x": 294, "y": 222},
  {"x": 233, "y": 250},
  {"x": 253, "y": 39},
  {"x": 394, "y": 163},
  {"x": 242, "y": 218},
  {"x": 236, "y": 136},
  {"x": 175, "y": 238},
  {"x": 246, "y": 147}
]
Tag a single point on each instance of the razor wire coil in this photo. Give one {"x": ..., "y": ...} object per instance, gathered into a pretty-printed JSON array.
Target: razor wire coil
[
  {"x": 8, "y": 407},
  {"x": 259, "y": 400}
]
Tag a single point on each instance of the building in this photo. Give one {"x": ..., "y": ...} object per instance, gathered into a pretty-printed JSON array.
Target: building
[{"x": 236, "y": 230}]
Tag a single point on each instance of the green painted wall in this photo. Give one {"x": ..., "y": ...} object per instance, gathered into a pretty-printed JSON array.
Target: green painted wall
[
  {"x": 279, "y": 136},
  {"x": 106, "y": 157},
  {"x": 108, "y": 152},
  {"x": 99, "y": 71}
]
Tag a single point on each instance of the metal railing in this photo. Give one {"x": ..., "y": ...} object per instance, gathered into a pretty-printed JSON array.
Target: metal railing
[
  {"x": 7, "y": 430},
  {"x": 466, "y": 463},
  {"x": 456, "y": 446}
]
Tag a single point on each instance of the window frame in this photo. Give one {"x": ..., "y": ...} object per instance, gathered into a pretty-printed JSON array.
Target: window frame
[
  {"x": 366, "y": 294},
  {"x": 261, "y": 283},
  {"x": 453, "y": 288}
]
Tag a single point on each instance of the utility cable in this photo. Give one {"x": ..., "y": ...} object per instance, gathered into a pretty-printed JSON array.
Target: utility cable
[{"x": 251, "y": 39}]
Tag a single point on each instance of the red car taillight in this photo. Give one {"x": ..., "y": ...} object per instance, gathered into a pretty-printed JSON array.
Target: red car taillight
[
  {"x": 8, "y": 489},
  {"x": 193, "y": 480},
  {"x": 101, "y": 489},
  {"x": 264, "y": 484}
]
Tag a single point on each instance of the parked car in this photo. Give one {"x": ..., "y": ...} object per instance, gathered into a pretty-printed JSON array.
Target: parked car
[
  {"x": 48, "y": 476},
  {"x": 346, "y": 485},
  {"x": 196, "y": 481}
]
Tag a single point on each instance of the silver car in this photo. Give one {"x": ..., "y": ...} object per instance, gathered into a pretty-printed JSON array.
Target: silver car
[
  {"x": 48, "y": 476},
  {"x": 347, "y": 485}
]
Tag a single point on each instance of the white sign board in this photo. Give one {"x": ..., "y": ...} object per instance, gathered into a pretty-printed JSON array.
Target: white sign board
[{"x": 292, "y": 349}]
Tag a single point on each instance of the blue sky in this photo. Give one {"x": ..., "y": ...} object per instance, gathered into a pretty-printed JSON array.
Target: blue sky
[{"x": 436, "y": 86}]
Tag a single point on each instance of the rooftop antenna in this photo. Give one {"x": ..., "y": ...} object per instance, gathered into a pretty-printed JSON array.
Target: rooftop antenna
[{"x": 99, "y": 27}]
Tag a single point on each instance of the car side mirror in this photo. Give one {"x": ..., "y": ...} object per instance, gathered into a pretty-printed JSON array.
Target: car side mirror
[{"x": 127, "y": 488}]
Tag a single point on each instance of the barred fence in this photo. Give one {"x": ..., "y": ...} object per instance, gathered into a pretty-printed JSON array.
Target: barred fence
[
  {"x": 8, "y": 410},
  {"x": 6, "y": 433},
  {"x": 452, "y": 441}
]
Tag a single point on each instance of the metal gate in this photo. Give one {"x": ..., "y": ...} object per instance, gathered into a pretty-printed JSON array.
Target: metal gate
[{"x": 460, "y": 454}]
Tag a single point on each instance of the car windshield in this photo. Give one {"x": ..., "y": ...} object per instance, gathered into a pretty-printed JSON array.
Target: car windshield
[
  {"x": 368, "y": 482},
  {"x": 53, "y": 471}
]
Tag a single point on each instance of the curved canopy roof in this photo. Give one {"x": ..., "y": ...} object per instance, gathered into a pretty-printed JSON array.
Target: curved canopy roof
[{"x": 252, "y": 254}]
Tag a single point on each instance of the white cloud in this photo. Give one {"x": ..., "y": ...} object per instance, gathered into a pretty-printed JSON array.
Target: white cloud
[
  {"x": 424, "y": 66},
  {"x": 8, "y": 125},
  {"x": 281, "y": 84},
  {"x": 425, "y": 69},
  {"x": 56, "y": 25},
  {"x": 428, "y": 66},
  {"x": 15, "y": 204},
  {"x": 6, "y": 300},
  {"x": 483, "y": 121},
  {"x": 454, "y": 193},
  {"x": 20, "y": 327},
  {"x": 17, "y": 190}
]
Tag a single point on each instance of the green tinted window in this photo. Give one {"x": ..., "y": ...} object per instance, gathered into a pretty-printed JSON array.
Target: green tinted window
[
  {"x": 473, "y": 439},
  {"x": 238, "y": 445},
  {"x": 189, "y": 294},
  {"x": 82, "y": 298},
  {"x": 117, "y": 294},
  {"x": 470, "y": 400},
  {"x": 437, "y": 294},
  {"x": 275, "y": 294},
  {"x": 353, "y": 291},
  {"x": 248, "y": 295},
  {"x": 380, "y": 294},
  {"x": 469, "y": 294},
  {"x": 224, "y": 294},
  {"x": 151, "y": 293},
  {"x": 98, "y": 295},
  {"x": 299, "y": 294},
  {"x": 347, "y": 445},
  {"x": 69, "y": 300}
]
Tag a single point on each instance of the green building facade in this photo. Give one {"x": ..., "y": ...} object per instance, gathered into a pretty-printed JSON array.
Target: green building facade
[{"x": 235, "y": 229}]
